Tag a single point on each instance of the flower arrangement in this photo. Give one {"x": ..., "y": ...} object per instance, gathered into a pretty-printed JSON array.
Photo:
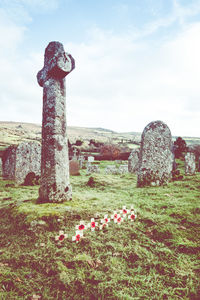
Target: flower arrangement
[{"x": 118, "y": 217}]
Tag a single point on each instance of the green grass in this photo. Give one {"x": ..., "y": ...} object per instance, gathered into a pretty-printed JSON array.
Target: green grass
[{"x": 155, "y": 257}]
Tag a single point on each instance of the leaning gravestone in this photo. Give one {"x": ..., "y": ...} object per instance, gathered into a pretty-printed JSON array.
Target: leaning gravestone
[
  {"x": 19, "y": 161},
  {"x": 190, "y": 165},
  {"x": 155, "y": 157},
  {"x": 133, "y": 161},
  {"x": 55, "y": 185}
]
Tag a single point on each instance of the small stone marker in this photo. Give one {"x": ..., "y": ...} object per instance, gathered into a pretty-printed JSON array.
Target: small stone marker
[
  {"x": 81, "y": 160},
  {"x": 190, "y": 166},
  {"x": 90, "y": 159},
  {"x": 155, "y": 157},
  {"x": 75, "y": 154},
  {"x": 133, "y": 161},
  {"x": 55, "y": 185}
]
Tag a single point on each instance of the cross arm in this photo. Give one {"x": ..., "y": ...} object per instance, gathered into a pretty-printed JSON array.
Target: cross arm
[{"x": 57, "y": 66}]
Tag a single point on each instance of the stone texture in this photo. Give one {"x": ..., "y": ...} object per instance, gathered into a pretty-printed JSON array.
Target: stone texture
[
  {"x": 55, "y": 185},
  {"x": 19, "y": 161},
  {"x": 133, "y": 161},
  {"x": 155, "y": 157},
  {"x": 92, "y": 168},
  {"x": 190, "y": 166},
  {"x": 116, "y": 170},
  {"x": 111, "y": 169},
  {"x": 123, "y": 169}
]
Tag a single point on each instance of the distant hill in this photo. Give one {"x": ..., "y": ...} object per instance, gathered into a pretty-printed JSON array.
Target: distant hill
[{"x": 16, "y": 132}]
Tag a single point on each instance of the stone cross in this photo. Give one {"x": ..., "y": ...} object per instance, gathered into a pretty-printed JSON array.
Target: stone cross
[
  {"x": 75, "y": 152},
  {"x": 54, "y": 184}
]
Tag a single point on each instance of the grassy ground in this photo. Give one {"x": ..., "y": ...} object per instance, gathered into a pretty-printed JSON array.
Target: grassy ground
[{"x": 155, "y": 257}]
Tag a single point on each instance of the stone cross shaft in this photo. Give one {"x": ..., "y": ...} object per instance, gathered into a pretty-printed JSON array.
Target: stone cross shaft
[{"x": 54, "y": 185}]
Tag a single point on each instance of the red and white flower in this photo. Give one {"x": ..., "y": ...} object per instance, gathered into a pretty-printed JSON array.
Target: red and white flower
[
  {"x": 132, "y": 216},
  {"x": 61, "y": 236},
  {"x": 118, "y": 220},
  {"x": 76, "y": 238},
  {"x": 105, "y": 220},
  {"x": 115, "y": 215},
  {"x": 81, "y": 226},
  {"x": 124, "y": 211},
  {"x": 92, "y": 225}
]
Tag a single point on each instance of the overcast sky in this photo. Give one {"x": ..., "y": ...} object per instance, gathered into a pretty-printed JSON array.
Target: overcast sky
[{"x": 137, "y": 61}]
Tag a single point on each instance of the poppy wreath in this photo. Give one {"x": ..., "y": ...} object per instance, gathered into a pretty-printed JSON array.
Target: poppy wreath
[{"x": 117, "y": 217}]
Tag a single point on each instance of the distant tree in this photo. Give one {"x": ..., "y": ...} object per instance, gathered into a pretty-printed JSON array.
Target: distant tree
[
  {"x": 180, "y": 147},
  {"x": 79, "y": 143},
  {"x": 92, "y": 142},
  {"x": 110, "y": 150},
  {"x": 95, "y": 144},
  {"x": 69, "y": 144}
]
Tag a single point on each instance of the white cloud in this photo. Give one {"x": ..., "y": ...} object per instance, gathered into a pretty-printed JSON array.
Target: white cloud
[
  {"x": 21, "y": 10},
  {"x": 123, "y": 84},
  {"x": 19, "y": 95}
]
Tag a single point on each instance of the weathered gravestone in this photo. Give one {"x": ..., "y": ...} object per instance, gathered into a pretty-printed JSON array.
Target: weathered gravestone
[
  {"x": 133, "y": 161},
  {"x": 74, "y": 168},
  {"x": 190, "y": 165},
  {"x": 55, "y": 185},
  {"x": 155, "y": 157},
  {"x": 19, "y": 161}
]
